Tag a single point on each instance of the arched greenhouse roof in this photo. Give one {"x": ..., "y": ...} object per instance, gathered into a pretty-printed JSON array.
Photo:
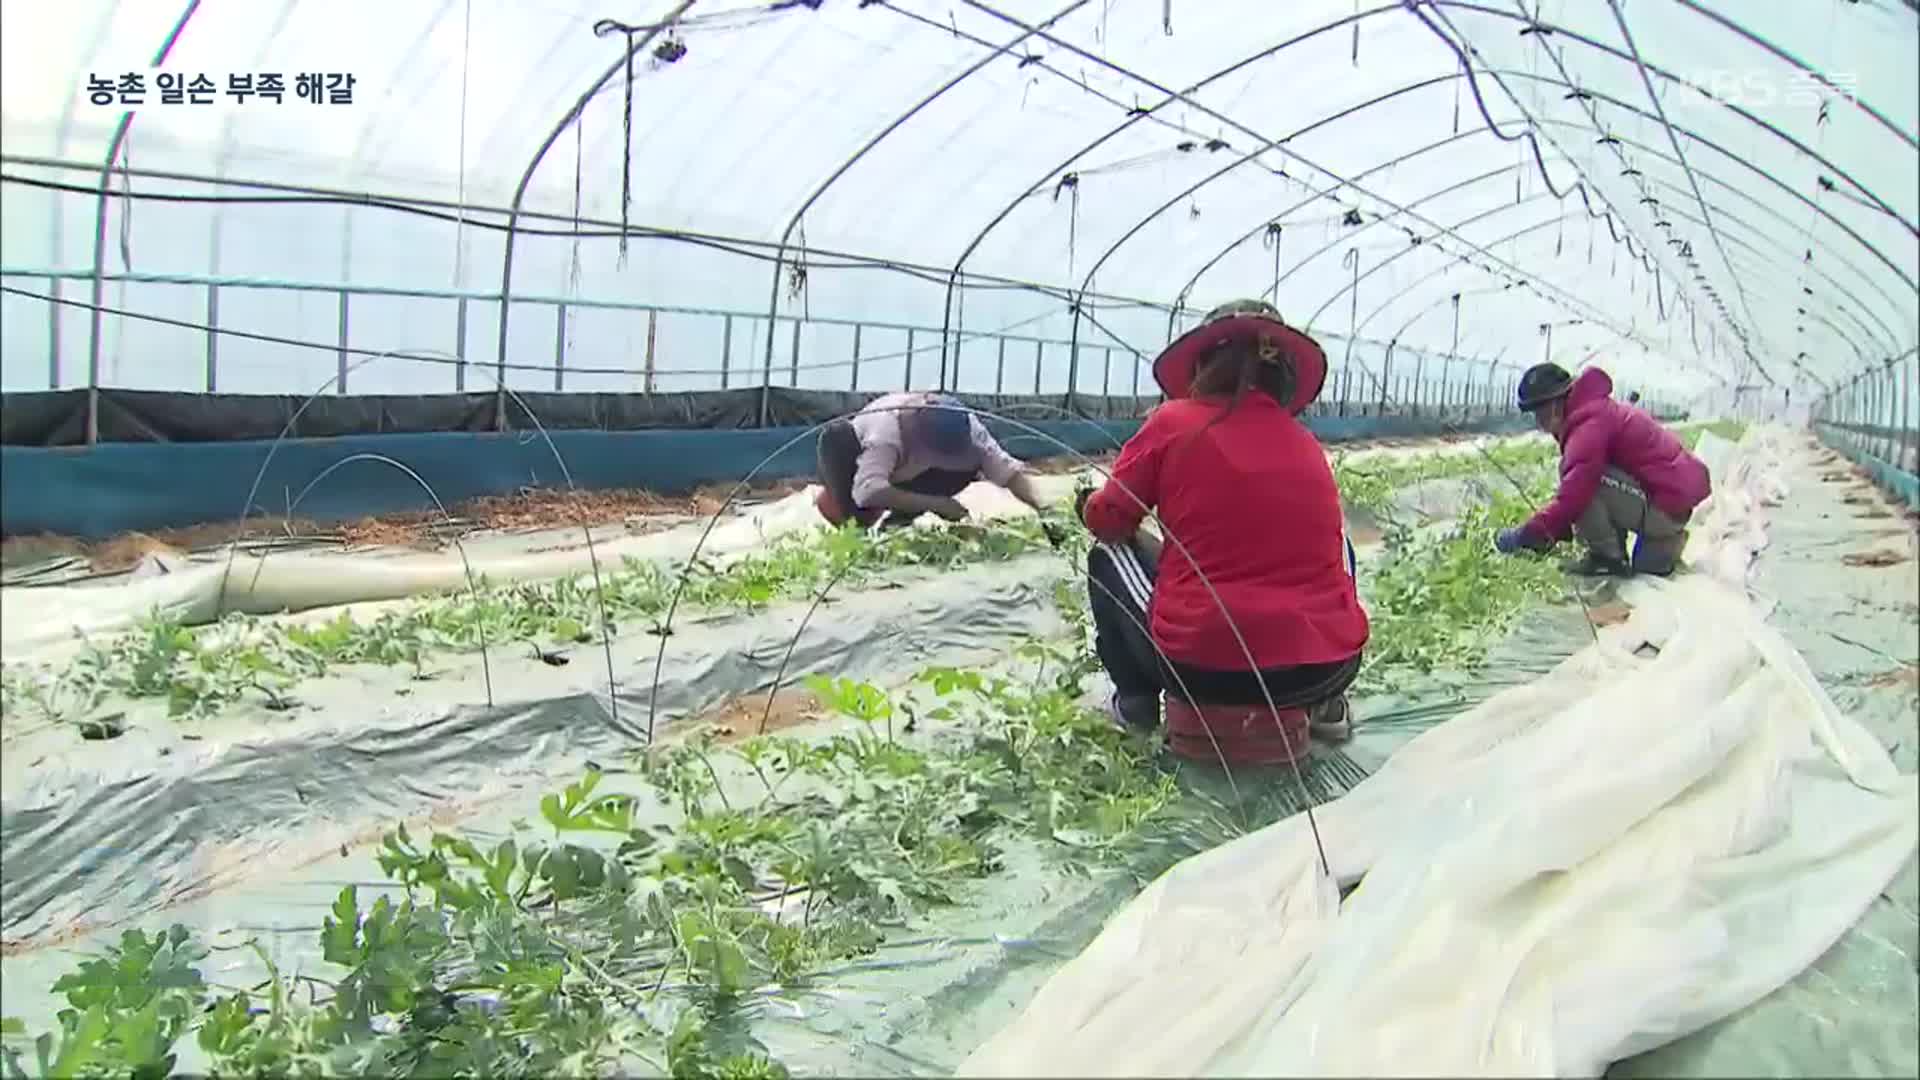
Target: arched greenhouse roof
[{"x": 1700, "y": 194}]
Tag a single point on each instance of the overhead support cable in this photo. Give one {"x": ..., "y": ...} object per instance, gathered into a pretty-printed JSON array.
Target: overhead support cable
[
  {"x": 1133, "y": 117},
  {"x": 1484, "y": 215},
  {"x": 820, "y": 189},
  {"x": 1866, "y": 281},
  {"x": 1587, "y": 98},
  {"x": 1561, "y": 33},
  {"x": 1583, "y": 184},
  {"x": 449, "y": 212},
  {"x": 1270, "y": 220},
  {"x": 1827, "y": 184},
  {"x": 1571, "y": 301},
  {"x": 1706, "y": 211},
  {"x": 1800, "y": 65},
  {"x": 1039, "y": 62},
  {"x": 1265, "y": 147}
]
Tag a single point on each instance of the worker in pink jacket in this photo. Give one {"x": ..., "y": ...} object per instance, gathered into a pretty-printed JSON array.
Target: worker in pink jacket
[{"x": 1620, "y": 472}]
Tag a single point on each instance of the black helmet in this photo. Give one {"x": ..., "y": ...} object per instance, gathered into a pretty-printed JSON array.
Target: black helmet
[{"x": 1543, "y": 383}]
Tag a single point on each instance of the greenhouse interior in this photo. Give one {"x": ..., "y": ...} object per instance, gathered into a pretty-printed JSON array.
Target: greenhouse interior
[{"x": 474, "y": 599}]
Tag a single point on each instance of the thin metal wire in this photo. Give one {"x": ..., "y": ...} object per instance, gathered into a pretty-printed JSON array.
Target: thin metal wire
[{"x": 466, "y": 566}]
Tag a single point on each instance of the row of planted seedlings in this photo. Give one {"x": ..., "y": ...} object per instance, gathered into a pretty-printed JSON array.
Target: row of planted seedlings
[
  {"x": 199, "y": 671},
  {"x": 646, "y": 933}
]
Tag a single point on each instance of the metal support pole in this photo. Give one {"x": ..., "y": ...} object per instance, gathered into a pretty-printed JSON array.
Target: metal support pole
[
  {"x": 766, "y": 372},
  {"x": 726, "y": 350},
  {"x": 460, "y": 346},
  {"x": 636, "y": 44},
  {"x": 1386, "y": 373},
  {"x": 559, "y": 347},
  {"x": 907, "y": 383},
  {"x": 1870, "y": 396},
  {"x": 793, "y": 362},
  {"x": 957, "y": 341},
  {"x": 653, "y": 333},
  {"x": 999, "y": 372},
  {"x": 1890, "y": 381},
  {"x": 853, "y": 380},
  {"x": 1889, "y": 406},
  {"x": 53, "y": 324},
  {"x": 213, "y": 338},
  {"x": 1106, "y": 384},
  {"x": 1039, "y": 355},
  {"x": 340, "y": 380},
  {"x": 1454, "y": 351},
  {"x": 1136, "y": 384},
  {"x": 1908, "y": 437},
  {"x": 1073, "y": 369},
  {"x": 99, "y": 295},
  {"x": 1352, "y": 258},
  {"x": 100, "y": 232}
]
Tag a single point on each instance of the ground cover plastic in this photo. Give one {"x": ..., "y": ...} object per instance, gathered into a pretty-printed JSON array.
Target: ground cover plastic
[{"x": 1697, "y": 824}]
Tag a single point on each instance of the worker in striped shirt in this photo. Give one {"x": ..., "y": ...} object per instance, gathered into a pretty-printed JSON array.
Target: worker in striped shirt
[{"x": 909, "y": 454}]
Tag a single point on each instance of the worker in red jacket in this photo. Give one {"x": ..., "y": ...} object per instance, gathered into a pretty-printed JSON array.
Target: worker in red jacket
[
  {"x": 1621, "y": 472},
  {"x": 1256, "y": 584}
]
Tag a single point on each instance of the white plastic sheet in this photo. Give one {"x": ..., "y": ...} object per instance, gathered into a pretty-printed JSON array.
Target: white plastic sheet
[{"x": 1669, "y": 826}]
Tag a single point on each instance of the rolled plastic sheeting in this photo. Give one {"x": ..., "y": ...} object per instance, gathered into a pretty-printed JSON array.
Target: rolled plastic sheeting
[
  {"x": 1671, "y": 825},
  {"x": 32, "y": 618}
]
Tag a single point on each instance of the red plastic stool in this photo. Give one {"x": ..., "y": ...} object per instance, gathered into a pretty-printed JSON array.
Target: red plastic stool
[{"x": 1243, "y": 734}]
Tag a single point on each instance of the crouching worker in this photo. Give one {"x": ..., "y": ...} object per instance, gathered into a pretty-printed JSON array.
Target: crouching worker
[
  {"x": 909, "y": 454},
  {"x": 1621, "y": 471},
  {"x": 1248, "y": 501}
]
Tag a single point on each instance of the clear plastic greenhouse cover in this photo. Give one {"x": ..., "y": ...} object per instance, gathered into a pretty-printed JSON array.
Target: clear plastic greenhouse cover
[{"x": 1712, "y": 197}]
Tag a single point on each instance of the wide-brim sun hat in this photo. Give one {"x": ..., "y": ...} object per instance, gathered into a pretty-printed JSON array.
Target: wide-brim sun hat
[{"x": 1244, "y": 320}]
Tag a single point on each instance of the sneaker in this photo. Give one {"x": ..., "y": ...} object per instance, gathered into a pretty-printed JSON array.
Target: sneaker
[
  {"x": 1134, "y": 712},
  {"x": 1331, "y": 720},
  {"x": 1596, "y": 565}
]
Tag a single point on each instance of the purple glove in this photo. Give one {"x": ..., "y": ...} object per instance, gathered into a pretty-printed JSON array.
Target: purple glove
[{"x": 1509, "y": 541}]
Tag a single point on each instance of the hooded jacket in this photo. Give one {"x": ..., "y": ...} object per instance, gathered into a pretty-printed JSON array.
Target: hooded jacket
[
  {"x": 1602, "y": 433},
  {"x": 1250, "y": 499}
]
